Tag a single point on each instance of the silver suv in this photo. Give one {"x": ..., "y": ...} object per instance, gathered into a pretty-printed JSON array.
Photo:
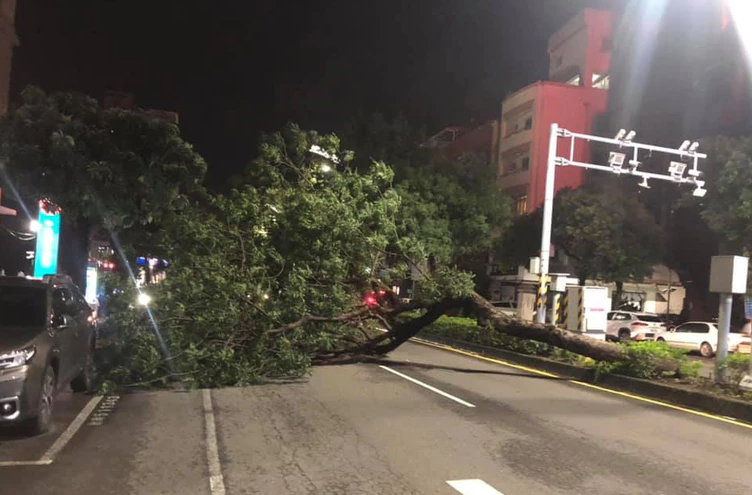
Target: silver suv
[
  {"x": 624, "y": 326},
  {"x": 46, "y": 341}
]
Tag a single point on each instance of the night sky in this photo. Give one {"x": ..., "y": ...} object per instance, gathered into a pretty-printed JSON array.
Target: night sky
[{"x": 235, "y": 68}]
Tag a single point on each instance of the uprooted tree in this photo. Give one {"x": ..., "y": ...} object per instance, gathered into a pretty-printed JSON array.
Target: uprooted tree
[{"x": 270, "y": 278}]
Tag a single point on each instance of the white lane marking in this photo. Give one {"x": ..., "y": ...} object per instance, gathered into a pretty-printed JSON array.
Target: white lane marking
[
  {"x": 216, "y": 481},
  {"x": 427, "y": 386},
  {"x": 473, "y": 487},
  {"x": 72, "y": 429},
  {"x": 24, "y": 463}
]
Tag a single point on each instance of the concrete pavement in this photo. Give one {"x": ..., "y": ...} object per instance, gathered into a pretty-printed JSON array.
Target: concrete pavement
[{"x": 440, "y": 423}]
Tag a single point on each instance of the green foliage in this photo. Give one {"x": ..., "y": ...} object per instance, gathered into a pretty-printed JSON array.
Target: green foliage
[
  {"x": 112, "y": 167},
  {"x": 641, "y": 358},
  {"x": 735, "y": 367},
  {"x": 468, "y": 330},
  {"x": 608, "y": 233},
  {"x": 452, "y": 211},
  {"x": 640, "y": 362},
  {"x": 244, "y": 266},
  {"x": 729, "y": 203}
]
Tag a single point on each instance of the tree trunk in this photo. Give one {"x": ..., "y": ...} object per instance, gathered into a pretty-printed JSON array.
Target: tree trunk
[
  {"x": 616, "y": 300},
  {"x": 548, "y": 334}
]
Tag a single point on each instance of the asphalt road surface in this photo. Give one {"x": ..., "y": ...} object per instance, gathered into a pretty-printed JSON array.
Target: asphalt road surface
[{"x": 440, "y": 423}]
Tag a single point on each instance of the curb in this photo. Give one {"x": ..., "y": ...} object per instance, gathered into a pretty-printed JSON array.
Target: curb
[{"x": 722, "y": 406}]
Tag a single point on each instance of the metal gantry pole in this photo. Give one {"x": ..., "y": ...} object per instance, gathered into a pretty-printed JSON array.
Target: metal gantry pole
[
  {"x": 724, "y": 328},
  {"x": 548, "y": 206}
]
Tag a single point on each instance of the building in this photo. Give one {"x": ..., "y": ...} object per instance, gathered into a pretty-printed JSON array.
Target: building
[
  {"x": 127, "y": 101},
  {"x": 453, "y": 142},
  {"x": 575, "y": 95},
  {"x": 8, "y": 41}
]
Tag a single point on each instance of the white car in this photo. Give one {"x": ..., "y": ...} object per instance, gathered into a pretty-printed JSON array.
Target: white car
[
  {"x": 699, "y": 336},
  {"x": 624, "y": 326}
]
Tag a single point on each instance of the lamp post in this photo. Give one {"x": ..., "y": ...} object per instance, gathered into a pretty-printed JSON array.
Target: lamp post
[{"x": 616, "y": 165}]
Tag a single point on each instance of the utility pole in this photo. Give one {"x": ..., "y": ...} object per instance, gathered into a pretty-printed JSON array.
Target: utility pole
[{"x": 617, "y": 164}]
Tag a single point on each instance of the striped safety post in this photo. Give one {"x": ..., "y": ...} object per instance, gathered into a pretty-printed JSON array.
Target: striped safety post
[
  {"x": 581, "y": 310},
  {"x": 542, "y": 294},
  {"x": 557, "y": 308},
  {"x": 564, "y": 308}
]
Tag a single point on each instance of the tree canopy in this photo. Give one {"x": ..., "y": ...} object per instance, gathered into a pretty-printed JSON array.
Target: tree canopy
[
  {"x": 113, "y": 168},
  {"x": 728, "y": 209},
  {"x": 607, "y": 233}
]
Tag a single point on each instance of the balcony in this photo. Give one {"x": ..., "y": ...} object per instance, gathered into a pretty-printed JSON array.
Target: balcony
[
  {"x": 515, "y": 140},
  {"x": 515, "y": 179}
]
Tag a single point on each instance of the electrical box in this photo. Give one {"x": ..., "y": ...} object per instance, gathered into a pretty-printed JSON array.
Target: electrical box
[
  {"x": 559, "y": 282},
  {"x": 728, "y": 274},
  {"x": 591, "y": 317},
  {"x": 535, "y": 263}
]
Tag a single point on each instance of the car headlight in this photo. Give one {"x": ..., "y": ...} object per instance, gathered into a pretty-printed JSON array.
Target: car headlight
[{"x": 17, "y": 358}]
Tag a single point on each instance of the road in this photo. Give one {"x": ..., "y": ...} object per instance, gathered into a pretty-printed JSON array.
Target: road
[{"x": 439, "y": 423}]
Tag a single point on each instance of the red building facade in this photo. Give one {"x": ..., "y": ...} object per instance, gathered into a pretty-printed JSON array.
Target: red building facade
[{"x": 574, "y": 97}]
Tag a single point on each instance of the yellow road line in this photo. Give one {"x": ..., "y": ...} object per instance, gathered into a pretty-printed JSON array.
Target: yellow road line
[{"x": 587, "y": 385}]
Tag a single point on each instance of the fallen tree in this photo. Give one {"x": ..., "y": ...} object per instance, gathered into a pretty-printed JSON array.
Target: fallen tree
[
  {"x": 270, "y": 278},
  {"x": 399, "y": 333}
]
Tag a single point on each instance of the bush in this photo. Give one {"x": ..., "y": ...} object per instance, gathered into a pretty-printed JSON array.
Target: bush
[
  {"x": 468, "y": 330},
  {"x": 735, "y": 367},
  {"x": 639, "y": 362}
]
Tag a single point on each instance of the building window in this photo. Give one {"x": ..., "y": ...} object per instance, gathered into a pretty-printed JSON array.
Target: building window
[
  {"x": 575, "y": 81},
  {"x": 512, "y": 168},
  {"x": 525, "y": 164},
  {"x": 521, "y": 206},
  {"x": 601, "y": 81},
  {"x": 528, "y": 123}
]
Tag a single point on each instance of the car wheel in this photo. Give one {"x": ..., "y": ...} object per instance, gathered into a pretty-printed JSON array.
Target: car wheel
[
  {"x": 660, "y": 339},
  {"x": 42, "y": 421},
  {"x": 706, "y": 350},
  {"x": 624, "y": 335},
  {"x": 85, "y": 380}
]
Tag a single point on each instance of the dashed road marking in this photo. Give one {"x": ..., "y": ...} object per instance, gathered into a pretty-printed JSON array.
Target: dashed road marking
[
  {"x": 24, "y": 463},
  {"x": 473, "y": 487},
  {"x": 427, "y": 386},
  {"x": 216, "y": 480}
]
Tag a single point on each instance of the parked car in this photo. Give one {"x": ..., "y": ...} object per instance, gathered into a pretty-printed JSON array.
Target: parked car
[
  {"x": 46, "y": 341},
  {"x": 625, "y": 326},
  {"x": 700, "y": 336}
]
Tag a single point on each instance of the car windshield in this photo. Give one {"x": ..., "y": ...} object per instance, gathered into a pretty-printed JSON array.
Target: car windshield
[
  {"x": 23, "y": 306},
  {"x": 650, "y": 318}
]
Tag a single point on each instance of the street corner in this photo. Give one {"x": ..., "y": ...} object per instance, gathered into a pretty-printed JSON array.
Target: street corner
[{"x": 72, "y": 412}]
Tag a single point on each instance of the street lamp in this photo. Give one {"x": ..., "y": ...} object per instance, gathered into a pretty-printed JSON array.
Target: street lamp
[
  {"x": 328, "y": 159},
  {"x": 616, "y": 160}
]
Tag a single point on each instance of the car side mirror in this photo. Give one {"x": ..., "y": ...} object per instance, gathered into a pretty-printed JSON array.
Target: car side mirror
[{"x": 62, "y": 322}]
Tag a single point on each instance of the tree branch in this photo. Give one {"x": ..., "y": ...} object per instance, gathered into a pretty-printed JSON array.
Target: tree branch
[{"x": 319, "y": 319}]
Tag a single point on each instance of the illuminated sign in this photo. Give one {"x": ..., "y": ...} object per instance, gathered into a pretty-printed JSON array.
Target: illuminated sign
[
  {"x": 91, "y": 285},
  {"x": 48, "y": 239}
]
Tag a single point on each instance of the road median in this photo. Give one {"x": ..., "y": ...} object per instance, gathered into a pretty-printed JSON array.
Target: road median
[{"x": 679, "y": 394}]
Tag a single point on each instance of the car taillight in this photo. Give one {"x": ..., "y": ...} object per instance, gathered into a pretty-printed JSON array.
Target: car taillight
[{"x": 639, "y": 324}]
